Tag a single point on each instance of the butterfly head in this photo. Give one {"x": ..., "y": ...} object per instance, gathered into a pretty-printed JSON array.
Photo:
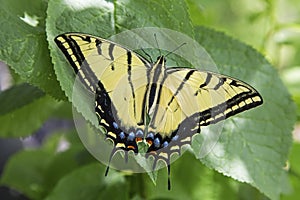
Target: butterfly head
[{"x": 161, "y": 60}]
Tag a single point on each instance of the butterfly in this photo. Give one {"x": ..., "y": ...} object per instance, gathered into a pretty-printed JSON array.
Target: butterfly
[{"x": 137, "y": 100}]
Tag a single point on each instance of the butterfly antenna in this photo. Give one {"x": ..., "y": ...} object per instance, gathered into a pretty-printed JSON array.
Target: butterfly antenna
[
  {"x": 147, "y": 55},
  {"x": 175, "y": 49}
]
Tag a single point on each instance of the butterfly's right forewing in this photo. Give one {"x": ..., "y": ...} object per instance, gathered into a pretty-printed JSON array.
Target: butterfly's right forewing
[{"x": 216, "y": 97}]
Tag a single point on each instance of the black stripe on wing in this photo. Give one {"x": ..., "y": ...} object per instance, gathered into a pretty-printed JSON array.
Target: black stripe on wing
[
  {"x": 129, "y": 62},
  {"x": 186, "y": 78},
  {"x": 224, "y": 110},
  {"x": 77, "y": 60}
]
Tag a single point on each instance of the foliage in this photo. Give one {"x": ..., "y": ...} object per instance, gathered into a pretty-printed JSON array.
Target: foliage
[{"x": 252, "y": 150}]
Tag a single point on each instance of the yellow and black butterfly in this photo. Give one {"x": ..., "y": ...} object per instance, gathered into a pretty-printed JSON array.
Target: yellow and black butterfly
[{"x": 136, "y": 100}]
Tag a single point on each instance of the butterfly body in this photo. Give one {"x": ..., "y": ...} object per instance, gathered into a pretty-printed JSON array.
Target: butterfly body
[
  {"x": 127, "y": 138},
  {"x": 136, "y": 100}
]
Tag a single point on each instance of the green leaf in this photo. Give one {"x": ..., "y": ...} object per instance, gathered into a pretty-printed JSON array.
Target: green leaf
[
  {"x": 254, "y": 145},
  {"x": 291, "y": 80},
  {"x": 294, "y": 173},
  {"x": 36, "y": 172},
  {"x": 165, "y": 13},
  {"x": 25, "y": 172},
  {"x": 246, "y": 192},
  {"x": 25, "y": 94},
  {"x": 93, "y": 17},
  {"x": 88, "y": 182},
  {"x": 192, "y": 180},
  {"x": 198, "y": 10},
  {"x": 23, "y": 120},
  {"x": 24, "y": 46},
  {"x": 130, "y": 15},
  {"x": 64, "y": 162}
]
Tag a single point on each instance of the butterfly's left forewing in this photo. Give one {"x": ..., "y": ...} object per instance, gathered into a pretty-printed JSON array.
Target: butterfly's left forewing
[{"x": 116, "y": 75}]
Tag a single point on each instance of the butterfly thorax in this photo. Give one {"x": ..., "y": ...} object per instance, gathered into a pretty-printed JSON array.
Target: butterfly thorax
[{"x": 156, "y": 80}]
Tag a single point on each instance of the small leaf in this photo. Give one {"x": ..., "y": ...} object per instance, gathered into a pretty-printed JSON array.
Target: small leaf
[
  {"x": 25, "y": 172},
  {"x": 18, "y": 96}
]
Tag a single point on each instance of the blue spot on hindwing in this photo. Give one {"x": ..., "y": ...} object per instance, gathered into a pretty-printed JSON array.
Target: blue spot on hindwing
[
  {"x": 139, "y": 134},
  {"x": 175, "y": 138},
  {"x": 131, "y": 136},
  {"x": 115, "y": 125},
  {"x": 122, "y": 135},
  {"x": 156, "y": 142},
  {"x": 150, "y": 136},
  {"x": 165, "y": 144}
]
